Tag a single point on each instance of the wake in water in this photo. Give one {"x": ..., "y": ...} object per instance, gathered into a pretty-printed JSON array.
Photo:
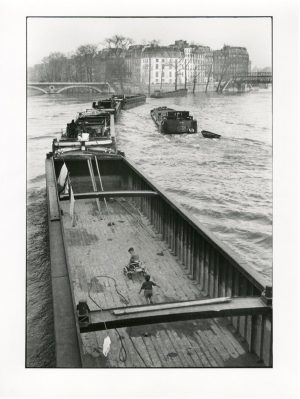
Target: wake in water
[{"x": 39, "y": 323}]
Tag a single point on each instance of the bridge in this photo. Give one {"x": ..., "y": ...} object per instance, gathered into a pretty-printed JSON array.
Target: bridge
[
  {"x": 59, "y": 87},
  {"x": 254, "y": 77},
  {"x": 240, "y": 81}
]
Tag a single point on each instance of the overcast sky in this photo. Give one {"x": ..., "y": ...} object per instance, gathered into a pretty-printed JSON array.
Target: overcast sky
[{"x": 46, "y": 35}]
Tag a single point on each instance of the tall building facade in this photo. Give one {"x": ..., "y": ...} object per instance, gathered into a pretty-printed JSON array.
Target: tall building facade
[
  {"x": 198, "y": 64},
  {"x": 229, "y": 62},
  {"x": 176, "y": 66},
  {"x": 161, "y": 66},
  {"x": 133, "y": 64}
]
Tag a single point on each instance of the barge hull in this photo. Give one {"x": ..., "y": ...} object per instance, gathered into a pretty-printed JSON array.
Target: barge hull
[
  {"x": 66, "y": 328},
  {"x": 175, "y": 93},
  {"x": 187, "y": 261}
]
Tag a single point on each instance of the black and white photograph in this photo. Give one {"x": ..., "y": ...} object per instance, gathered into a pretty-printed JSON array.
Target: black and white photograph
[
  {"x": 151, "y": 195},
  {"x": 151, "y": 219}
]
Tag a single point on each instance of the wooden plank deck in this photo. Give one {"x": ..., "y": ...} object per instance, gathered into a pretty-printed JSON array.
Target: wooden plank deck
[{"x": 97, "y": 253}]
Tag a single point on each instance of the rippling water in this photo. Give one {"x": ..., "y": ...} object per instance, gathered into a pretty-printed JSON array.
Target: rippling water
[{"x": 226, "y": 184}]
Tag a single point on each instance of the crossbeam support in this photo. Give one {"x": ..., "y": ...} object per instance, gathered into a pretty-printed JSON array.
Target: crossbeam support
[
  {"x": 101, "y": 194},
  {"x": 176, "y": 311}
]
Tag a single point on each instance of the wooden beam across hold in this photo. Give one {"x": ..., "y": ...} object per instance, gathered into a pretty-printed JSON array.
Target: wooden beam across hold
[
  {"x": 101, "y": 194},
  {"x": 175, "y": 311}
]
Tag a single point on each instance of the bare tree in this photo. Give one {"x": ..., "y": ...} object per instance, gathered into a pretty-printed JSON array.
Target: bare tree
[
  {"x": 85, "y": 57},
  {"x": 118, "y": 45},
  {"x": 208, "y": 66},
  {"x": 209, "y": 75},
  {"x": 53, "y": 66}
]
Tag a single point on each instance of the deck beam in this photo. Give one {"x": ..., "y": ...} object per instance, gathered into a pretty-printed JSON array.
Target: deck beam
[
  {"x": 102, "y": 194},
  {"x": 176, "y": 311}
]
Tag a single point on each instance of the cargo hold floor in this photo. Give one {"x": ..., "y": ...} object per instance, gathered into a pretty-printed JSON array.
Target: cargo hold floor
[{"x": 97, "y": 250}]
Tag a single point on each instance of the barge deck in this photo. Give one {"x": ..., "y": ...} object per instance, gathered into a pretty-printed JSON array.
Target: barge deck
[{"x": 96, "y": 251}]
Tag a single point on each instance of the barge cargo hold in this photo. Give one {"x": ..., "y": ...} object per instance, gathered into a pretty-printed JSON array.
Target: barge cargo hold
[{"x": 117, "y": 207}]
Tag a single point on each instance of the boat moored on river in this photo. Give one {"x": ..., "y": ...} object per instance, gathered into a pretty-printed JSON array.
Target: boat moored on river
[
  {"x": 130, "y": 101},
  {"x": 211, "y": 309},
  {"x": 91, "y": 128},
  {"x": 170, "y": 121},
  {"x": 110, "y": 105},
  {"x": 210, "y": 135},
  {"x": 165, "y": 94}
]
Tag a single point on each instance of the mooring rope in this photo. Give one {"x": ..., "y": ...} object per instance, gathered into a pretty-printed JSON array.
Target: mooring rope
[{"x": 122, "y": 351}]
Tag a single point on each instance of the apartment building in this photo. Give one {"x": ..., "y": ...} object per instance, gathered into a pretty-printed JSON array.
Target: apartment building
[
  {"x": 161, "y": 66},
  {"x": 230, "y": 61}
]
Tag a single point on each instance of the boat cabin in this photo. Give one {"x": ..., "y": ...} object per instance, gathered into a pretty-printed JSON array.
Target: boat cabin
[
  {"x": 179, "y": 115},
  {"x": 163, "y": 112},
  {"x": 109, "y": 105},
  {"x": 95, "y": 123}
]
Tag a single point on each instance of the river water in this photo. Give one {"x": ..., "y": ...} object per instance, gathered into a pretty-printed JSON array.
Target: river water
[{"x": 226, "y": 184}]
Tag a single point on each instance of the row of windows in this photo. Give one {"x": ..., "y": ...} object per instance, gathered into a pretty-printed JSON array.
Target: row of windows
[
  {"x": 145, "y": 60},
  {"x": 171, "y": 64},
  {"x": 162, "y": 74},
  {"x": 163, "y": 81}
]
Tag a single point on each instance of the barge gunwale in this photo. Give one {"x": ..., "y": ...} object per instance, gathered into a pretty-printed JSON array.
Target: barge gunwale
[{"x": 68, "y": 350}]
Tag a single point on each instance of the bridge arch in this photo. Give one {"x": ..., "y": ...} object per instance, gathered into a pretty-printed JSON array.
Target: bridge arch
[
  {"x": 37, "y": 88},
  {"x": 79, "y": 86}
]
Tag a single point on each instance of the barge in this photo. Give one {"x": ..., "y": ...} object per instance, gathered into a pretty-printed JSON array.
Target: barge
[
  {"x": 211, "y": 308},
  {"x": 110, "y": 105},
  {"x": 130, "y": 101},
  {"x": 91, "y": 128},
  {"x": 165, "y": 94},
  {"x": 170, "y": 121}
]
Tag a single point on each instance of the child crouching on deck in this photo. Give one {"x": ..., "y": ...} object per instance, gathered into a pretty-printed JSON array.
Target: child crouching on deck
[{"x": 147, "y": 287}]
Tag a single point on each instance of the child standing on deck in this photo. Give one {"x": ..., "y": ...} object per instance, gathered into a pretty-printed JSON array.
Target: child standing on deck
[{"x": 147, "y": 287}]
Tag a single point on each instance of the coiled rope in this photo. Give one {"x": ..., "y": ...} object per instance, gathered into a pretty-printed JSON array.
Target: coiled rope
[{"x": 122, "y": 351}]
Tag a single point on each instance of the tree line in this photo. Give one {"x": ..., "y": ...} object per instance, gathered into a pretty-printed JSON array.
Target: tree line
[{"x": 85, "y": 64}]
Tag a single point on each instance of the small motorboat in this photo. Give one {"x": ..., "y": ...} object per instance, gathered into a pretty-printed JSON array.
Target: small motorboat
[{"x": 210, "y": 135}]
